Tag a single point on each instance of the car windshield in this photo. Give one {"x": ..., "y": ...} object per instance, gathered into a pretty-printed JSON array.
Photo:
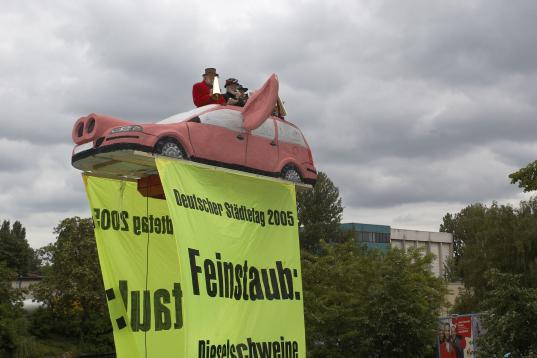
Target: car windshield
[{"x": 185, "y": 115}]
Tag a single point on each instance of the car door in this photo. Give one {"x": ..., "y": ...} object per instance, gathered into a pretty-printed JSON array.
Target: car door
[
  {"x": 219, "y": 137},
  {"x": 262, "y": 149}
]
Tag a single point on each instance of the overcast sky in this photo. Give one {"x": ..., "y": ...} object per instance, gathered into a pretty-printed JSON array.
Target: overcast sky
[{"x": 413, "y": 108}]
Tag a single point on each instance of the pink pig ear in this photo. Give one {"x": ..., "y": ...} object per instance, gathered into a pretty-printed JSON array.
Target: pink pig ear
[{"x": 261, "y": 104}]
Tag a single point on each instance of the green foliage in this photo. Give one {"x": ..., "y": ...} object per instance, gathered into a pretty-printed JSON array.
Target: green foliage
[
  {"x": 319, "y": 214},
  {"x": 497, "y": 237},
  {"x": 362, "y": 303},
  {"x": 12, "y": 323},
  {"x": 14, "y": 248},
  {"x": 511, "y": 317},
  {"x": 526, "y": 177},
  {"x": 72, "y": 290},
  {"x": 466, "y": 302}
]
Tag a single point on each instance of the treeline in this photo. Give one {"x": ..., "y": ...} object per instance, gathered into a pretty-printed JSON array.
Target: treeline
[
  {"x": 358, "y": 302},
  {"x": 496, "y": 257},
  {"x": 73, "y": 317}
]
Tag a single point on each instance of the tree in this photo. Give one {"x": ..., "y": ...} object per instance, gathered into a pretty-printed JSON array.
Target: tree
[
  {"x": 12, "y": 325},
  {"x": 362, "y": 303},
  {"x": 497, "y": 237},
  {"x": 526, "y": 177},
  {"x": 319, "y": 213},
  {"x": 14, "y": 248},
  {"x": 511, "y": 317},
  {"x": 72, "y": 289}
]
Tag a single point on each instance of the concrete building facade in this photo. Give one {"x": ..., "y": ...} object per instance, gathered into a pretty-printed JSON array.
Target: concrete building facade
[{"x": 438, "y": 243}]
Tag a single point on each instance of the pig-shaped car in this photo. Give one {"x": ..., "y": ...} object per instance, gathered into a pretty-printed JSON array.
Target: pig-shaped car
[{"x": 247, "y": 138}]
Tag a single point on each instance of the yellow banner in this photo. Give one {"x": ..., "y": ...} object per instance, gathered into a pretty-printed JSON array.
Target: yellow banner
[
  {"x": 140, "y": 268},
  {"x": 237, "y": 238}
]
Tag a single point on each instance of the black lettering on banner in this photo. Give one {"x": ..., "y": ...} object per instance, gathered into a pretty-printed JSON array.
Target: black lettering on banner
[
  {"x": 256, "y": 293},
  {"x": 283, "y": 218},
  {"x": 275, "y": 347},
  {"x": 163, "y": 319},
  {"x": 240, "y": 348},
  {"x": 274, "y": 292},
  {"x": 286, "y": 281},
  {"x": 110, "y": 219},
  {"x": 145, "y": 224},
  {"x": 105, "y": 219},
  {"x": 232, "y": 350},
  {"x": 228, "y": 279},
  {"x": 244, "y": 280},
  {"x": 125, "y": 225},
  {"x": 270, "y": 216},
  {"x": 155, "y": 304},
  {"x": 290, "y": 218},
  {"x": 238, "y": 288},
  {"x": 157, "y": 225},
  {"x": 250, "y": 348},
  {"x": 178, "y": 296},
  {"x": 210, "y": 275},
  {"x": 225, "y": 279},
  {"x": 220, "y": 278},
  {"x": 152, "y": 224},
  {"x": 115, "y": 220},
  {"x": 137, "y": 227},
  {"x": 137, "y": 322},
  {"x": 280, "y": 217},
  {"x": 194, "y": 270},
  {"x": 236, "y": 211},
  {"x": 276, "y": 217}
]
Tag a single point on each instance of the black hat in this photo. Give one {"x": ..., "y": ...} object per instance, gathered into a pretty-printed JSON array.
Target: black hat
[
  {"x": 210, "y": 71},
  {"x": 242, "y": 88},
  {"x": 231, "y": 81}
]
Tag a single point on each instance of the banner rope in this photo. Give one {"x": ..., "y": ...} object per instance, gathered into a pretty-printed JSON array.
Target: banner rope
[{"x": 146, "y": 260}]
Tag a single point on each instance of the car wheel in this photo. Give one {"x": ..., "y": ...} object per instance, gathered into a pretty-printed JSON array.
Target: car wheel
[
  {"x": 170, "y": 148},
  {"x": 290, "y": 173}
]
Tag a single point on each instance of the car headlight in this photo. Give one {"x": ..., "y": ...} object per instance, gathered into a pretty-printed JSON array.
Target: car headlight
[{"x": 126, "y": 129}]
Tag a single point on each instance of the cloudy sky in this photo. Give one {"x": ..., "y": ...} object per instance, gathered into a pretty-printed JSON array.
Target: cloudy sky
[{"x": 413, "y": 108}]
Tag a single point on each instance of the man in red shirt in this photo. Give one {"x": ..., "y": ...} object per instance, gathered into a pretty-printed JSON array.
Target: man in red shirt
[{"x": 202, "y": 92}]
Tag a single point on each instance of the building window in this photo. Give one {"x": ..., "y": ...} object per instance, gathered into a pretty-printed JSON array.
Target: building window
[{"x": 372, "y": 237}]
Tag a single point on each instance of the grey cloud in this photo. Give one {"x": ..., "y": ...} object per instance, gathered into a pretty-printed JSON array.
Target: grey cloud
[{"x": 405, "y": 104}]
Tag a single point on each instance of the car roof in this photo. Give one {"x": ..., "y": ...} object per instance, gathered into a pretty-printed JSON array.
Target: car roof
[
  {"x": 176, "y": 118},
  {"x": 179, "y": 117}
]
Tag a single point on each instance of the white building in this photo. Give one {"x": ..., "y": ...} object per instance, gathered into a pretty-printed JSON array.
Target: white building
[{"x": 438, "y": 243}]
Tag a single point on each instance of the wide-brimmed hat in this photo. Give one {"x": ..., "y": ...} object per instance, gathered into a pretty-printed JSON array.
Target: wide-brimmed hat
[
  {"x": 231, "y": 81},
  {"x": 210, "y": 71}
]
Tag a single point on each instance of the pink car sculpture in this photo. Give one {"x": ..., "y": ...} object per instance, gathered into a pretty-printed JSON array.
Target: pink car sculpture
[{"x": 245, "y": 138}]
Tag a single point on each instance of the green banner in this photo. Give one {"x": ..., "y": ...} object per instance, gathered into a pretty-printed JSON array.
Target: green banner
[
  {"x": 237, "y": 238},
  {"x": 140, "y": 269},
  {"x": 212, "y": 271}
]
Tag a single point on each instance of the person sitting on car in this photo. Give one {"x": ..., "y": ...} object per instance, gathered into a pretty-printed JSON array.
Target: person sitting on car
[
  {"x": 232, "y": 94},
  {"x": 202, "y": 92},
  {"x": 243, "y": 97}
]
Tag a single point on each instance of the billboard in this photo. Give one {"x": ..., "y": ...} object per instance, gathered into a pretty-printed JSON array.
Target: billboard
[{"x": 457, "y": 336}]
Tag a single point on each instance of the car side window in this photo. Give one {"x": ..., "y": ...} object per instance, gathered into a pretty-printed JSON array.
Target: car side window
[
  {"x": 226, "y": 118},
  {"x": 290, "y": 134},
  {"x": 265, "y": 130}
]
